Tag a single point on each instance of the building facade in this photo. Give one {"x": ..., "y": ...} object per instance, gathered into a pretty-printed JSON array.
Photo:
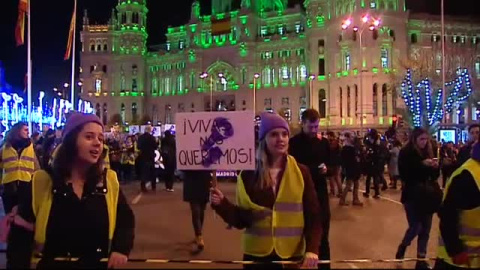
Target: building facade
[{"x": 344, "y": 58}]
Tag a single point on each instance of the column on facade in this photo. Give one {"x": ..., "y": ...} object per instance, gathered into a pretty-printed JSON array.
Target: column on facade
[
  {"x": 352, "y": 104},
  {"x": 367, "y": 95},
  {"x": 390, "y": 98}
]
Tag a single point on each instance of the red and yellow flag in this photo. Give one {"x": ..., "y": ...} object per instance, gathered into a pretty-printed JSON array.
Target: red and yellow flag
[
  {"x": 71, "y": 37},
  {"x": 20, "y": 28}
]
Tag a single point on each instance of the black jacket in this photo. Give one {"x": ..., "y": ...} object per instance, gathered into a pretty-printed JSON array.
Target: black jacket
[
  {"x": 413, "y": 172},
  {"x": 146, "y": 145},
  {"x": 78, "y": 227},
  {"x": 350, "y": 157},
  {"x": 312, "y": 152},
  {"x": 196, "y": 186}
]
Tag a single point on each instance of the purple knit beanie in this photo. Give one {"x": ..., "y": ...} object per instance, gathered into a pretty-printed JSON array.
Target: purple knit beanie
[
  {"x": 271, "y": 121},
  {"x": 77, "y": 119}
]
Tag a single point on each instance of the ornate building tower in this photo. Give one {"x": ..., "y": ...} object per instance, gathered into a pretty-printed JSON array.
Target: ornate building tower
[{"x": 113, "y": 62}]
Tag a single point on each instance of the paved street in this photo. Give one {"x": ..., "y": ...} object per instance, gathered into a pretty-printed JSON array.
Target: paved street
[{"x": 164, "y": 231}]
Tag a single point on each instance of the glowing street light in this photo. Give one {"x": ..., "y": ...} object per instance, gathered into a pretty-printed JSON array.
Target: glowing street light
[
  {"x": 370, "y": 23},
  {"x": 255, "y": 77},
  {"x": 80, "y": 84},
  {"x": 66, "y": 85},
  {"x": 365, "y": 19}
]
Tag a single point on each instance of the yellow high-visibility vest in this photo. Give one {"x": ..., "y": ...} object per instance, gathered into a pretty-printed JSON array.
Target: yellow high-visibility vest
[
  {"x": 18, "y": 168},
  {"x": 107, "y": 156},
  {"x": 42, "y": 202},
  {"x": 282, "y": 229},
  {"x": 469, "y": 221}
]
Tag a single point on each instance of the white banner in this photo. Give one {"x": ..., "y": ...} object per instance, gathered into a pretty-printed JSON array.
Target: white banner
[{"x": 215, "y": 141}]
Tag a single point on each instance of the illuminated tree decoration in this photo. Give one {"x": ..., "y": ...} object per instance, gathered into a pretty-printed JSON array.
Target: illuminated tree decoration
[{"x": 420, "y": 105}]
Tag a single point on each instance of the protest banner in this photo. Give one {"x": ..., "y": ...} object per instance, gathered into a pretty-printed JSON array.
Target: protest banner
[{"x": 215, "y": 141}]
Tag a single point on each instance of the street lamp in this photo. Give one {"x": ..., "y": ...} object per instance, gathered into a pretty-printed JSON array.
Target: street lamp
[
  {"x": 367, "y": 23},
  {"x": 66, "y": 85},
  {"x": 310, "y": 91},
  {"x": 255, "y": 77}
]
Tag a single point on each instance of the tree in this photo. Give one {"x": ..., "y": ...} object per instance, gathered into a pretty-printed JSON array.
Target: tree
[{"x": 421, "y": 87}]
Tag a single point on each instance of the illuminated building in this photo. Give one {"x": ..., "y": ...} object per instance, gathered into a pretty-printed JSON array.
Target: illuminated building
[{"x": 287, "y": 46}]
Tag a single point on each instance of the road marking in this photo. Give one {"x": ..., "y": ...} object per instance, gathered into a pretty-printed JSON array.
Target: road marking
[
  {"x": 137, "y": 198},
  {"x": 353, "y": 266}
]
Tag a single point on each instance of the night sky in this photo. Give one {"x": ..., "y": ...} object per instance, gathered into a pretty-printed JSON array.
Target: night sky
[{"x": 51, "y": 20}]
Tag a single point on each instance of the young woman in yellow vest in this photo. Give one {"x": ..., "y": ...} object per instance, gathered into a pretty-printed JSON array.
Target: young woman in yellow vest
[
  {"x": 77, "y": 208},
  {"x": 459, "y": 244},
  {"x": 276, "y": 204},
  {"x": 18, "y": 161}
]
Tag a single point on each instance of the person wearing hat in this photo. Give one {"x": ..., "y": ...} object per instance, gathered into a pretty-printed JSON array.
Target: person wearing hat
[
  {"x": 276, "y": 203},
  {"x": 76, "y": 208},
  {"x": 459, "y": 245}
]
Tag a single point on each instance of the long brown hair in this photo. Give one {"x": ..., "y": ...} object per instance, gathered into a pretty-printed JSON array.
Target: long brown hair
[
  {"x": 64, "y": 161},
  {"x": 427, "y": 152},
  {"x": 13, "y": 134}
]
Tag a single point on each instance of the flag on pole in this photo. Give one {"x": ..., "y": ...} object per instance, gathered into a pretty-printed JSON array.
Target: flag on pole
[
  {"x": 71, "y": 36},
  {"x": 20, "y": 28}
]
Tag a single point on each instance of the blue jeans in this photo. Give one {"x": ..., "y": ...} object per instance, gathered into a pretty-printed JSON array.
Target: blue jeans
[{"x": 418, "y": 225}]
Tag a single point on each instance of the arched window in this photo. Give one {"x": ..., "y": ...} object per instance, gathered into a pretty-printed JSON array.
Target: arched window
[
  {"x": 105, "y": 47},
  {"x": 105, "y": 114},
  {"x": 341, "y": 102},
  {"x": 180, "y": 84},
  {"x": 98, "y": 111},
  {"x": 413, "y": 38},
  {"x": 266, "y": 76},
  {"x": 134, "y": 85},
  {"x": 122, "y": 112},
  {"x": 167, "y": 86},
  {"x": 92, "y": 47},
  {"x": 99, "y": 47},
  {"x": 134, "y": 112},
  {"x": 98, "y": 85},
  {"x": 348, "y": 102},
  {"x": 356, "y": 99},
  {"x": 477, "y": 66},
  {"x": 384, "y": 99},
  {"x": 192, "y": 80},
  {"x": 375, "y": 100},
  {"x": 285, "y": 73},
  {"x": 322, "y": 103},
  {"x": 154, "y": 86},
  {"x": 302, "y": 72},
  {"x": 124, "y": 18}
]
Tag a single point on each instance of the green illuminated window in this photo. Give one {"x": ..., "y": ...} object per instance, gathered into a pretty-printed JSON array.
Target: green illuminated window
[
  {"x": 285, "y": 73},
  {"x": 384, "y": 58},
  {"x": 263, "y": 31},
  {"x": 266, "y": 75},
  {"x": 154, "y": 85}
]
